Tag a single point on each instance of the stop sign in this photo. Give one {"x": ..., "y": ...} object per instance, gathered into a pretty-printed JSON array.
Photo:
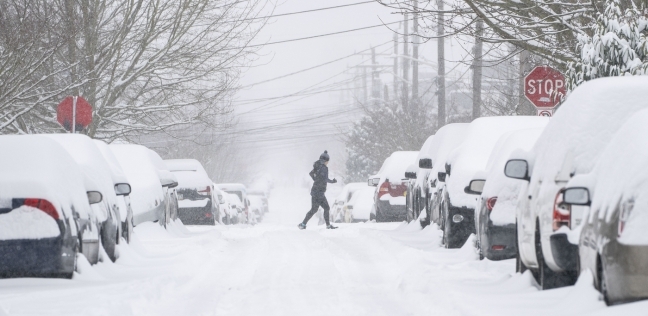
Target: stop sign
[
  {"x": 65, "y": 113},
  {"x": 544, "y": 87}
]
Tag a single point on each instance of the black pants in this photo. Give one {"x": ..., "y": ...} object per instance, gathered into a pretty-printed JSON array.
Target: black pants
[{"x": 316, "y": 202}]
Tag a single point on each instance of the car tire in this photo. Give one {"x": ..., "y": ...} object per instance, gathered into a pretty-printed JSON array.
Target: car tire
[
  {"x": 547, "y": 278},
  {"x": 372, "y": 217},
  {"x": 109, "y": 245},
  {"x": 519, "y": 265},
  {"x": 603, "y": 281}
]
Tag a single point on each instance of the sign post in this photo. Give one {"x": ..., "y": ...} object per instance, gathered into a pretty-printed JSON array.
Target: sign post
[
  {"x": 545, "y": 88},
  {"x": 74, "y": 113}
]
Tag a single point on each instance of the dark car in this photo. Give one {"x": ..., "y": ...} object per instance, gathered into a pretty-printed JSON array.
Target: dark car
[
  {"x": 196, "y": 203},
  {"x": 495, "y": 213},
  {"x": 389, "y": 200},
  {"x": 45, "y": 216}
]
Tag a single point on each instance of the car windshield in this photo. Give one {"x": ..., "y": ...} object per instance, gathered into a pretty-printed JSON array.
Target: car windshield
[{"x": 238, "y": 193}]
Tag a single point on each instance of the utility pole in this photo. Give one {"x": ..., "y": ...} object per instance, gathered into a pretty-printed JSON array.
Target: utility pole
[
  {"x": 441, "y": 116},
  {"x": 526, "y": 64},
  {"x": 415, "y": 63},
  {"x": 406, "y": 61},
  {"x": 395, "y": 64},
  {"x": 364, "y": 85},
  {"x": 375, "y": 87},
  {"x": 477, "y": 69}
]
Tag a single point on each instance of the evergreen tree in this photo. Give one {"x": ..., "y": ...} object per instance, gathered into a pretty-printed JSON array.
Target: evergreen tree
[
  {"x": 617, "y": 47},
  {"x": 378, "y": 134}
]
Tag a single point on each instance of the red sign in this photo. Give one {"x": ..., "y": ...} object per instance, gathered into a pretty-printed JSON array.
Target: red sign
[
  {"x": 545, "y": 113},
  {"x": 65, "y": 113},
  {"x": 544, "y": 87}
]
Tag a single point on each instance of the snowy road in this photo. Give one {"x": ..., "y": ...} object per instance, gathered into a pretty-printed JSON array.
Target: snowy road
[{"x": 275, "y": 269}]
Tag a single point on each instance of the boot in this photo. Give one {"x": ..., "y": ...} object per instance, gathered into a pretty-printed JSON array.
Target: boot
[
  {"x": 302, "y": 226},
  {"x": 329, "y": 226}
]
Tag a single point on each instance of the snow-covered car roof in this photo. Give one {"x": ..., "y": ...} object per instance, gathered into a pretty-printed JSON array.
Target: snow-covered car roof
[
  {"x": 620, "y": 176},
  {"x": 92, "y": 162},
  {"x": 393, "y": 168},
  {"x": 446, "y": 139},
  {"x": 189, "y": 173},
  {"x": 363, "y": 200},
  {"x": 584, "y": 124},
  {"x": 136, "y": 162},
  {"x": 497, "y": 184},
  {"x": 232, "y": 187},
  {"x": 472, "y": 156},
  {"x": 28, "y": 173},
  {"x": 116, "y": 171}
]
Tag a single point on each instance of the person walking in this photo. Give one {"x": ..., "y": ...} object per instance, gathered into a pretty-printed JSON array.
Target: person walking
[{"x": 320, "y": 178}]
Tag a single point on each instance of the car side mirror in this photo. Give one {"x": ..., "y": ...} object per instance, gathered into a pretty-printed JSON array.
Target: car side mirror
[
  {"x": 448, "y": 167},
  {"x": 410, "y": 175},
  {"x": 122, "y": 189},
  {"x": 475, "y": 187},
  {"x": 517, "y": 169},
  {"x": 577, "y": 196},
  {"x": 373, "y": 182},
  {"x": 94, "y": 197},
  {"x": 425, "y": 163},
  {"x": 441, "y": 176}
]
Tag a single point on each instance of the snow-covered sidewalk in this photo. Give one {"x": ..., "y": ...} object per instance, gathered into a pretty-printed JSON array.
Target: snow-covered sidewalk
[{"x": 275, "y": 269}]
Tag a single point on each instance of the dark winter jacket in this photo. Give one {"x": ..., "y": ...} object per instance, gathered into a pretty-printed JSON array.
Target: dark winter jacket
[{"x": 320, "y": 176}]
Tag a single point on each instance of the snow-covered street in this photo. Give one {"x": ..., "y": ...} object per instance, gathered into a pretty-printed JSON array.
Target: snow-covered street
[{"x": 275, "y": 269}]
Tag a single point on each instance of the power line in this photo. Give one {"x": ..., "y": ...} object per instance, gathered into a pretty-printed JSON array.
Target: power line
[
  {"x": 314, "y": 67},
  {"x": 314, "y": 36},
  {"x": 305, "y": 11}
]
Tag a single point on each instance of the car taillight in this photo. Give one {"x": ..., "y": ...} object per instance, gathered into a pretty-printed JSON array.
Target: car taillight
[
  {"x": 43, "y": 205},
  {"x": 490, "y": 203},
  {"x": 561, "y": 212},
  {"x": 626, "y": 208},
  {"x": 384, "y": 189}
]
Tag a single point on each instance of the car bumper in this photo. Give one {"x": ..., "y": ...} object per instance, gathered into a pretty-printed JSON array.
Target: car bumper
[
  {"x": 626, "y": 272},
  {"x": 565, "y": 254},
  {"x": 197, "y": 215},
  {"x": 36, "y": 257},
  {"x": 498, "y": 242},
  {"x": 388, "y": 212},
  {"x": 460, "y": 230}
]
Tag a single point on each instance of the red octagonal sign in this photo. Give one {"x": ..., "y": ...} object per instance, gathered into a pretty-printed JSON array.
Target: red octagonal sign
[
  {"x": 544, "y": 87},
  {"x": 65, "y": 113}
]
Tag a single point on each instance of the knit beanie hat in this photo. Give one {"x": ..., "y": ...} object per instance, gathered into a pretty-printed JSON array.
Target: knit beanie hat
[{"x": 324, "y": 156}]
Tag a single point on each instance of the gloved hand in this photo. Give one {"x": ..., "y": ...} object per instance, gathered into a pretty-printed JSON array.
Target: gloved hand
[{"x": 334, "y": 180}]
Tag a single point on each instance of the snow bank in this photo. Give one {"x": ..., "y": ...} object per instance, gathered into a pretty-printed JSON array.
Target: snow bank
[
  {"x": 473, "y": 154},
  {"x": 497, "y": 184},
  {"x": 27, "y": 222},
  {"x": 27, "y": 173},
  {"x": 146, "y": 190}
]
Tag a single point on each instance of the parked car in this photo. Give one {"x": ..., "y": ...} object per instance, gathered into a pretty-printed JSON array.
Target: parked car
[
  {"x": 45, "y": 215},
  {"x": 495, "y": 213},
  {"x": 359, "y": 207},
  {"x": 264, "y": 199},
  {"x": 87, "y": 155},
  {"x": 122, "y": 190},
  {"x": 240, "y": 191},
  {"x": 169, "y": 182},
  {"x": 613, "y": 244},
  {"x": 257, "y": 206},
  {"x": 337, "y": 212},
  {"x": 239, "y": 215},
  {"x": 464, "y": 163},
  {"x": 444, "y": 142},
  {"x": 390, "y": 195},
  {"x": 225, "y": 213},
  {"x": 570, "y": 145},
  {"x": 149, "y": 185},
  {"x": 419, "y": 190},
  {"x": 195, "y": 190}
]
